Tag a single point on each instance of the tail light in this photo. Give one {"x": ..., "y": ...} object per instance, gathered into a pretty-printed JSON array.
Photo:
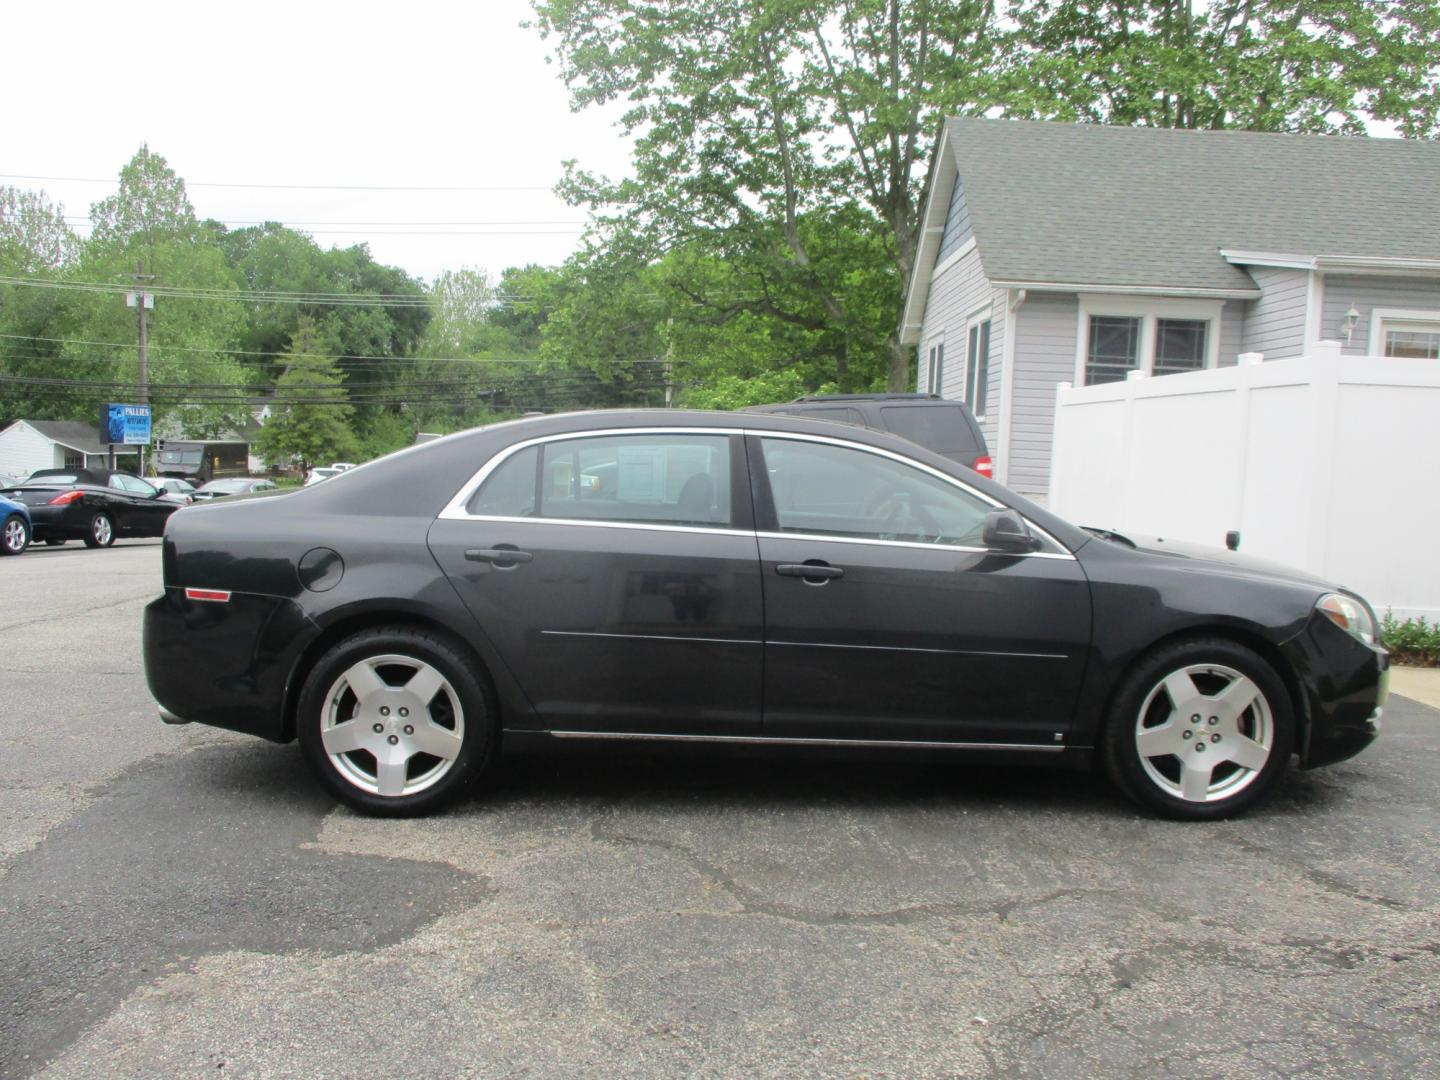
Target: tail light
[
  {"x": 65, "y": 498},
  {"x": 985, "y": 466}
]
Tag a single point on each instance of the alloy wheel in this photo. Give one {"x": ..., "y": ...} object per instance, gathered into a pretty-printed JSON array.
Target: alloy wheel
[
  {"x": 17, "y": 536},
  {"x": 393, "y": 725},
  {"x": 1204, "y": 733}
]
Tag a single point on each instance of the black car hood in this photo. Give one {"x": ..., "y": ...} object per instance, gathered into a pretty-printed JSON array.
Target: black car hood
[{"x": 1233, "y": 562}]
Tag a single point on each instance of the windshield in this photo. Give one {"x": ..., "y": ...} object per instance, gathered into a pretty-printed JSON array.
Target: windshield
[{"x": 180, "y": 457}]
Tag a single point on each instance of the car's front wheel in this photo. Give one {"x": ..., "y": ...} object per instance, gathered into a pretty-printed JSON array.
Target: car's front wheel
[
  {"x": 396, "y": 721},
  {"x": 101, "y": 532},
  {"x": 1199, "y": 730},
  {"x": 15, "y": 535}
]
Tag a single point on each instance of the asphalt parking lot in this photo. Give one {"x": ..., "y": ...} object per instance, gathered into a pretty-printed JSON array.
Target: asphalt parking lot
[{"x": 180, "y": 901}]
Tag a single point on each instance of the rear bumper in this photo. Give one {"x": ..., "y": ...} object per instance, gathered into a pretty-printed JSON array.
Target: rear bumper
[
  {"x": 60, "y": 522},
  {"x": 1346, "y": 683},
  {"x": 224, "y": 664}
]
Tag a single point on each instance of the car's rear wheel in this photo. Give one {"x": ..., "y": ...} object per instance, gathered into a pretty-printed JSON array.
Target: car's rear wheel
[
  {"x": 1199, "y": 730},
  {"x": 101, "y": 531},
  {"x": 395, "y": 721},
  {"x": 14, "y": 535}
]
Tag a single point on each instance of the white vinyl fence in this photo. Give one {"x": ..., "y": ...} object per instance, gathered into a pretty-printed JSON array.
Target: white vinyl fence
[{"x": 1324, "y": 462}]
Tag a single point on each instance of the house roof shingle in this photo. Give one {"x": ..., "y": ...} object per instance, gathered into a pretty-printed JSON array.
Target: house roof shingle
[
  {"x": 1148, "y": 207},
  {"x": 72, "y": 433}
]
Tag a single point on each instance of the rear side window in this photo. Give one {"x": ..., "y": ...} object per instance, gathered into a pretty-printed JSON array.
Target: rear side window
[
  {"x": 942, "y": 428},
  {"x": 640, "y": 479}
]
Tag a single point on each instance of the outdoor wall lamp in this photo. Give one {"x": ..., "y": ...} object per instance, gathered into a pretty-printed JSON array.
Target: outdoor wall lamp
[{"x": 1348, "y": 324}]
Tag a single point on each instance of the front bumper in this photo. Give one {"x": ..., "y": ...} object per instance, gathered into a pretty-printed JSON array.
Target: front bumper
[
  {"x": 224, "y": 664},
  {"x": 1346, "y": 684}
]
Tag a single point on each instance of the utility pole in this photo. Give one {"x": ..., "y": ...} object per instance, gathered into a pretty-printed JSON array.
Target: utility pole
[{"x": 141, "y": 300}]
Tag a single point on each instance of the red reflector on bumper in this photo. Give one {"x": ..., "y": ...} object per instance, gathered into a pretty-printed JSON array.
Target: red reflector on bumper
[{"x": 216, "y": 595}]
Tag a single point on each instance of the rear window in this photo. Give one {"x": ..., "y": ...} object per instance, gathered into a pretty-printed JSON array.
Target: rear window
[
  {"x": 943, "y": 428},
  {"x": 50, "y": 479}
]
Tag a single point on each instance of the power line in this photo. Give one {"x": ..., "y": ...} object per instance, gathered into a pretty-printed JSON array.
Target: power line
[
  {"x": 290, "y": 187},
  {"x": 259, "y": 352}
]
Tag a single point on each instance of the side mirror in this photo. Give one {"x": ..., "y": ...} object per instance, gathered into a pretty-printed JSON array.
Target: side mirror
[{"x": 1005, "y": 530}]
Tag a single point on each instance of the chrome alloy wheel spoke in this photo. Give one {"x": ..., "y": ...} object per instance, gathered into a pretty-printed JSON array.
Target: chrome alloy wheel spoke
[
  {"x": 392, "y": 722},
  {"x": 1203, "y": 731}
]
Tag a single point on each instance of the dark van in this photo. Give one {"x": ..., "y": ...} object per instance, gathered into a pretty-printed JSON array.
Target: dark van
[
  {"x": 946, "y": 427},
  {"x": 201, "y": 462}
]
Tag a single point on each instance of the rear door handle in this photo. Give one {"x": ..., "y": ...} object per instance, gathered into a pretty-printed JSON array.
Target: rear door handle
[
  {"x": 817, "y": 572},
  {"x": 498, "y": 556}
]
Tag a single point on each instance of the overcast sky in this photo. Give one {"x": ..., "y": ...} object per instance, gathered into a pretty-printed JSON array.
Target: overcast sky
[{"x": 422, "y": 93}]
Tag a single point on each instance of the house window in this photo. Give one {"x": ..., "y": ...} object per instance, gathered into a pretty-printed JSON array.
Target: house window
[
  {"x": 937, "y": 367},
  {"x": 1424, "y": 345},
  {"x": 977, "y": 368},
  {"x": 1413, "y": 334},
  {"x": 1114, "y": 348},
  {"x": 1179, "y": 345},
  {"x": 1159, "y": 336}
]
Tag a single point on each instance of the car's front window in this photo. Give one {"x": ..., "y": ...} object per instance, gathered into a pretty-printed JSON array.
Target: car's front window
[{"x": 828, "y": 490}]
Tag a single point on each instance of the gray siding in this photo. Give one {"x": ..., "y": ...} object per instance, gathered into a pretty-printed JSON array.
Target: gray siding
[
  {"x": 1275, "y": 323},
  {"x": 1367, "y": 293},
  {"x": 1044, "y": 357},
  {"x": 1232, "y": 332},
  {"x": 957, "y": 223},
  {"x": 954, "y": 296}
]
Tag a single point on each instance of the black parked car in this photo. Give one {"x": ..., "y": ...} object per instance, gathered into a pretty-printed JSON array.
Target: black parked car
[
  {"x": 946, "y": 427},
  {"x": 739, "y": 578},
  {"x": 93, "y": 505}
]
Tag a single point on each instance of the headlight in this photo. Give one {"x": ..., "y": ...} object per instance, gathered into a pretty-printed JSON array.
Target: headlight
[{"x": 1349, "y": 614}]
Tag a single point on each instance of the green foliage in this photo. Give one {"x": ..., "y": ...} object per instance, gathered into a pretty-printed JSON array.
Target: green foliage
[
  {"x": 1412, "y": 641},
  {"x": 781, "y": 146},
  {"x": 1262, "y": 65},
  {"x": 313, "y": 427}
]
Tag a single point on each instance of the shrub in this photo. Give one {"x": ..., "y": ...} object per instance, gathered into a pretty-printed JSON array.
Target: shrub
[{"x": 1413, "y": 641}]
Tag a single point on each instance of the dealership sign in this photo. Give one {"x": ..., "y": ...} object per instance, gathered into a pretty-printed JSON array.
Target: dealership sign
[{"x": 128, "y": 424}]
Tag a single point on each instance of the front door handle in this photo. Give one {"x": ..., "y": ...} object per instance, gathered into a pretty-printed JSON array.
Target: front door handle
[
  {"x": 498, "y": 556},
  {"x": 814, "y": 573}
]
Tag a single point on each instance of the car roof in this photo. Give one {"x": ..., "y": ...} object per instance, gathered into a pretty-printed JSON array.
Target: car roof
[
  {"x": 420, "y": 478},
  {"x": 98, "y": 477}
]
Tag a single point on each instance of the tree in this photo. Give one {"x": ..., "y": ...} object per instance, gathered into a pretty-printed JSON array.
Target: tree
[
  {"x": 309, "y": 421},
  {"x": 754, "y": 118},
  {"x": 1323, "y": 66},
  {"x": 35, "y": 245}
]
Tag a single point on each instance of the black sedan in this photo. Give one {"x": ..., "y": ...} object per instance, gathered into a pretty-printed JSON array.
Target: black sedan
[
  {"x": 704, "y": 577},
  {"x": 93, "y": 505}
]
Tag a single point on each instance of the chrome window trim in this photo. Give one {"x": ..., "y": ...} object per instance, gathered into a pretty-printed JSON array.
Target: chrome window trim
[
  {"x": 822, "y": 538},
  {"x": 455, "y": 508}
]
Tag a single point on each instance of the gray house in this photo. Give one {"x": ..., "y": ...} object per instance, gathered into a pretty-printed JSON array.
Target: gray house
[{"x": 1077, "y": 253}]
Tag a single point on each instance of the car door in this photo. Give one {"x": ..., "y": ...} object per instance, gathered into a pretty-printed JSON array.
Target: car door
[
  {"x": 145, "y": 511},
  {"x": 886, "y": 617},
  {"x": 617, "y": 575}
]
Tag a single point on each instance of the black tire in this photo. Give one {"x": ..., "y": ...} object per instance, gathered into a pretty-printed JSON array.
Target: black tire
[
  {"x": 1192, "y": 739},
  {"x": 329, "y": 704},
  {"x": 100, "y": 532},
  {"x": 14, "y": 535}
]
